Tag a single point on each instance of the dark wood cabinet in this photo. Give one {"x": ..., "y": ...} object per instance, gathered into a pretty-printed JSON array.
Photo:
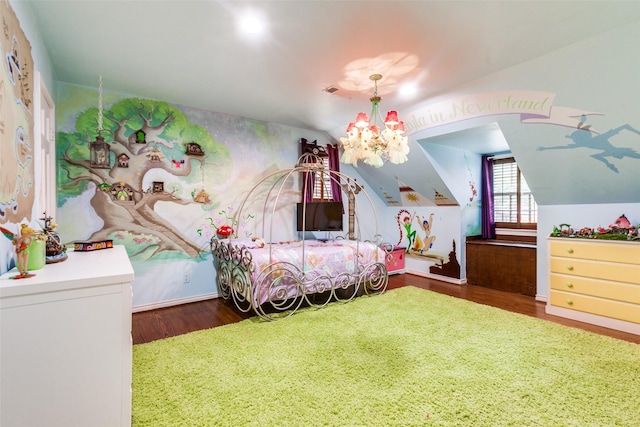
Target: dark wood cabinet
[{"x": 505, "y": 266}]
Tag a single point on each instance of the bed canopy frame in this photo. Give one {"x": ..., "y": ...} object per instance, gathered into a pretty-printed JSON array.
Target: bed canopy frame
[{"x": 285, "y": 286}]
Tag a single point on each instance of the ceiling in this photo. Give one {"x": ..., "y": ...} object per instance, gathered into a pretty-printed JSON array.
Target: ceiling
[
  {"x": 192, "y": 52},
  {"x": 485, "y": 139}
]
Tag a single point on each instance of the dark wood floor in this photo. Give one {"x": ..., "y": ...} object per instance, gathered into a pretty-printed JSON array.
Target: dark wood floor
[{"x": 171, "y": 321}]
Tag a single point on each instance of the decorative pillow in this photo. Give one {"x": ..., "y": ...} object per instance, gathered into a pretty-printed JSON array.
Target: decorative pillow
[{"x": 248, "y": 242}]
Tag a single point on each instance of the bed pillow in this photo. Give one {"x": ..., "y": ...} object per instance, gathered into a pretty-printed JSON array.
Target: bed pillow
[{"x": 248, "y": 242}]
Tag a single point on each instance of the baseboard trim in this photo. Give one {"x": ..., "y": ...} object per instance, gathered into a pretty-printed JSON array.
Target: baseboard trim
[
  {"x": 438, "y": 277},
  {"x": 170, "y": 303},
  {"x": 606, "y": 322},
  {"x": 542, "y": 298}
]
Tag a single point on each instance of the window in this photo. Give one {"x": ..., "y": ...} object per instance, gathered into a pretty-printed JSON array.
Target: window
[
  {"x": 322, "y": 185},
  {"x": 514, "y": 206}
]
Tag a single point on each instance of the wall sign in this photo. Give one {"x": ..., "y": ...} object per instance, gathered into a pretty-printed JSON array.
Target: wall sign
[{"x": 532, "y": 106}]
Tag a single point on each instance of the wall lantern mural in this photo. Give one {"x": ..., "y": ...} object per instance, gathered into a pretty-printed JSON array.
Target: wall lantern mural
[
  {"x": 99, "y": 150},
  {"x": 100, "y": 153}
]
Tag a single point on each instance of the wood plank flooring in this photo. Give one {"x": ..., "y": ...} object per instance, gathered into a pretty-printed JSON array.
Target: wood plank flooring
[{"x": 171, "y": 321}]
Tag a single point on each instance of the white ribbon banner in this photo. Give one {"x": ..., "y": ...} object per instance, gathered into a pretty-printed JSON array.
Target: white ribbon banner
[{"x": 532, "y": 106}]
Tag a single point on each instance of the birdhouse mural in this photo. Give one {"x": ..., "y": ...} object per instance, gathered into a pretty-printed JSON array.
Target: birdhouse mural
[
  {"x": 122, "y": 192},
  {"x": 158, "y": 187},
  {"x": 141, "y": 137},
  {"x": 155, "y": 155},
  {"x": 123, "y": 161},
  {"x": 202, "y": 197},
  {"x": 194, "y": 149}
]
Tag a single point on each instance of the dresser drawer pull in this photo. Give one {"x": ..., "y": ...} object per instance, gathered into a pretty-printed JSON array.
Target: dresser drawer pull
[
  {"x": 569, "y": 250},
  {"x": 569, "y": 302},
  {"x": 569, "y": 285},
  {"x": 570, "y": 267}
]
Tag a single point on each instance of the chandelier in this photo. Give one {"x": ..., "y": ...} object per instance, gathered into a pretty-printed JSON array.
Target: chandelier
[{"x": 365, "y": 141}]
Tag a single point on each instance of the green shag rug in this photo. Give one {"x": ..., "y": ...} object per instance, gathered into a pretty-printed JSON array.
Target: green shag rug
[{"x": 409, "y": 357}]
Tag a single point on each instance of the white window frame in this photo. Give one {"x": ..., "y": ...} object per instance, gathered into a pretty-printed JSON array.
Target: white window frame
[{"x": 519, "y": 203}]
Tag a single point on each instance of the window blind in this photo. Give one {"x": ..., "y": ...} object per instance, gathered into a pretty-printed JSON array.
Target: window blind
[
  {"x": 513, "y": 200},
  {"x": 322, "y": 187}
]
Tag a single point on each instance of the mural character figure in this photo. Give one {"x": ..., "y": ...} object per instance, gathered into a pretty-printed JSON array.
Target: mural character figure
[
  {"x": 474, "y": 192},
  {"x": 101, "y": 158},
  {"x": 16, "y": 153},
  {"x": 584, "y": 138},
  {"x": 428, "y": 239},
  {"x": 405, "y": 220},
  {"x": 13, "y": 61},
  {"x": 411, "y": 234}
]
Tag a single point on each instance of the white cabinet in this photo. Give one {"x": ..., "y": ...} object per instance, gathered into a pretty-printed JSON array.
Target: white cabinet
[{"x": 65, "y": 343}]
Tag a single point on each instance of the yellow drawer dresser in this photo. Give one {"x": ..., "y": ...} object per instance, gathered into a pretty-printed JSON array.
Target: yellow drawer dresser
[{"x": 595, "y": 281}]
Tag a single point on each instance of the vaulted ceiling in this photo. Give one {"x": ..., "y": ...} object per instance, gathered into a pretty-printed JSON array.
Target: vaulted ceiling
[{"x": 310, "y": 66}]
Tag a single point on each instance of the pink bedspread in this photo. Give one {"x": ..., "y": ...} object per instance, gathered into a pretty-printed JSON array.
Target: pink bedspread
[
  {"x": 331, "y": 257},
  {"x": 312, "y": 259}
]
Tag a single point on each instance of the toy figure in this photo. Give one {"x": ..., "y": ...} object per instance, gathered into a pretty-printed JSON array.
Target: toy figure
[
  {"x": 55, "y": 250},
  {"x": 22, "y": 241}
]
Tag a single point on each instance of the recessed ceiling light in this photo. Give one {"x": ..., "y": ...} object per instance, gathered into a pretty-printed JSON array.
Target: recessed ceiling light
[
  {"x": 407, "y": 90},
  {"x": 252, "y": 23}
]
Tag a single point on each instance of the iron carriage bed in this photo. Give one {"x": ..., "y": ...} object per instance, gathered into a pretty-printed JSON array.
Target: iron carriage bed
[{"x": 275, "y": 278}]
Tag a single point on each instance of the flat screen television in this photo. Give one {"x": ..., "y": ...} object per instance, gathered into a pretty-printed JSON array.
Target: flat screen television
[{"x": 320, "y": 216}]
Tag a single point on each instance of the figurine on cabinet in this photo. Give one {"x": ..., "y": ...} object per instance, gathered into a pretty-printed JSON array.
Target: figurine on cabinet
[
  {"x": 55, "y": 250},
  {"x": 22, "y": 241}
]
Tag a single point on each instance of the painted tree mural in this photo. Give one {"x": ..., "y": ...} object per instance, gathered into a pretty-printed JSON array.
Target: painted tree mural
[{"x": 145, "y": 139}]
